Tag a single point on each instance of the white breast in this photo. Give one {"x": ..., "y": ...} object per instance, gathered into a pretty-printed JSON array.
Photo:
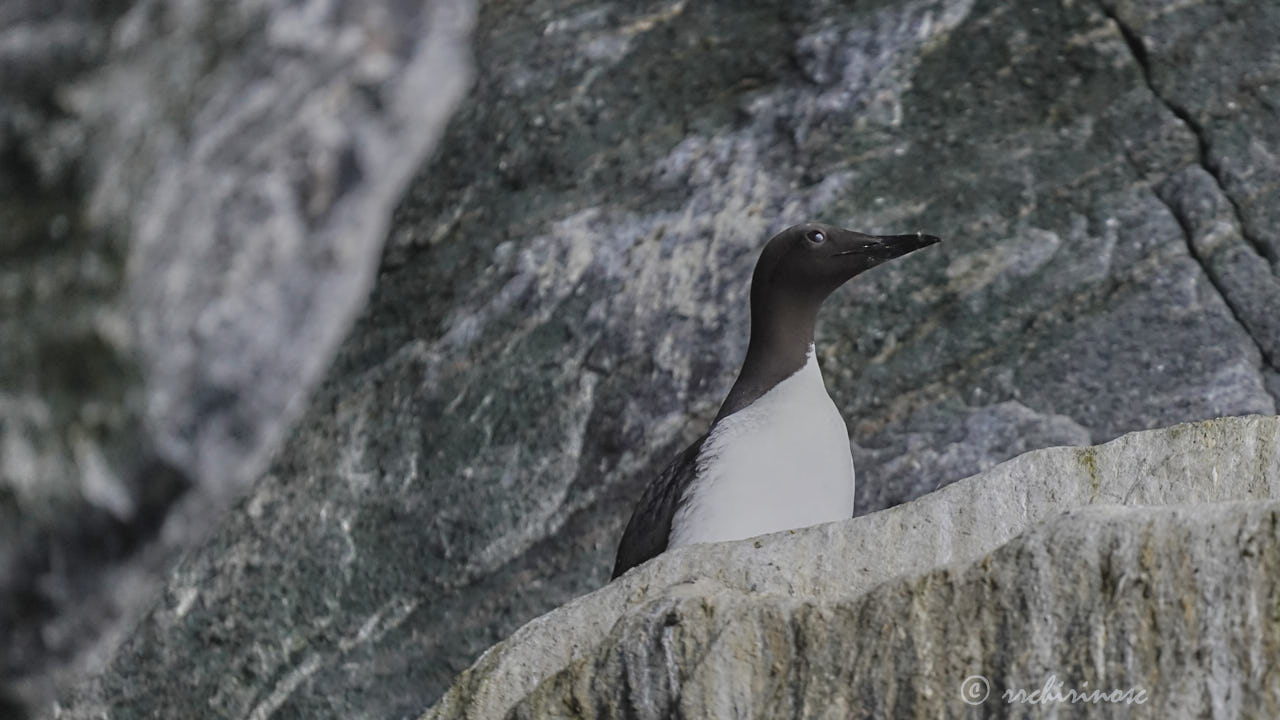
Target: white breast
[{"x": 782, "y": 462}]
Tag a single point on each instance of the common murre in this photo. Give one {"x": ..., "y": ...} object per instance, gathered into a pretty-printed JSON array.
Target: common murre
[{"x": 776, "y": 457}]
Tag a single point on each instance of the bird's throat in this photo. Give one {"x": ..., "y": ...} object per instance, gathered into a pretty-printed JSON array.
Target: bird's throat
[{"x": 781, "y": 340}]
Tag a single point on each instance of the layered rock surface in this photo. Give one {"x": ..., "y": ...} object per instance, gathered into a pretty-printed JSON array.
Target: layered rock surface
[
  {"x": 561, "y": 306},
  {"x": 193, "y": 197},
  {"x": 1169, "y": 613},
  {"x": 1029, "y": 569}
]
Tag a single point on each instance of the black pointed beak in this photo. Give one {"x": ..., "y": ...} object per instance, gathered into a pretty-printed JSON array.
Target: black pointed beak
[{"x": 888, "y": 247}]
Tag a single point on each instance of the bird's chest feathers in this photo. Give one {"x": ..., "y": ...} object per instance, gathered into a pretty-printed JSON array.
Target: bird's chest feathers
[{"x": 782, "y": 462}]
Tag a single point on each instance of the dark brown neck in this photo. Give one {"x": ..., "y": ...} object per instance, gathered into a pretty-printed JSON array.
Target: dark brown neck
[{"x": 781, "y": 333}]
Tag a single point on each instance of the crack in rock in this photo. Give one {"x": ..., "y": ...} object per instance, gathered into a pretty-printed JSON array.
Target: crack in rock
[
  {"x": 1231, "y": 271},
  {"x": 1232, "y": 301},
  {"x": 1139, "y": 52}
]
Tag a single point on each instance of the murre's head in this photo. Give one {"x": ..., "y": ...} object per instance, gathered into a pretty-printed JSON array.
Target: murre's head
[
  {"x": 797, "y": 270},
  {"x": 807, "y": 262}
]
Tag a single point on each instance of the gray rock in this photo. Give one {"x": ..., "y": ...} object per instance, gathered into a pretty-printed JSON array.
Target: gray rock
[
  {"x": 1015, "y": 505},
  {"x": 944, "y": 443},
  {"x": 194, "y": 200},
  {"x": 1159, "y": 610},
  {"x": 561, "y": 306}
]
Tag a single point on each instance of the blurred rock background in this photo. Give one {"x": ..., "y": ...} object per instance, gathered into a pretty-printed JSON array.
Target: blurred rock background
[{"x": 196, "y": 199}]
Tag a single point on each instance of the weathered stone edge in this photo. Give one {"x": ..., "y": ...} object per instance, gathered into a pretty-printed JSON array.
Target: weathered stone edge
[
  {"x": 1177, "y": 602},
  {"x": 1219, "y": 460}
]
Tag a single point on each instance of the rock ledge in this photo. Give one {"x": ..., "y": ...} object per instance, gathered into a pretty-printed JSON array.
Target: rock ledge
[{"x": 988, "y": 576}]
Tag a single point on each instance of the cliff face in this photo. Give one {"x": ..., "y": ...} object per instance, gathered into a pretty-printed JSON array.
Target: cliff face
[
  {"x": 562, "y": 304},
  {"x": 1148, "y": 562}
]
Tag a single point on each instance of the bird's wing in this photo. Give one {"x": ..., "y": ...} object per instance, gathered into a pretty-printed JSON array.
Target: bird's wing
[{"x": 650, "y": 525}]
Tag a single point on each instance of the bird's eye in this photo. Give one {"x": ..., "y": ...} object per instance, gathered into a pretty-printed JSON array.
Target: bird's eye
[{"x": 816, "y": 237}]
